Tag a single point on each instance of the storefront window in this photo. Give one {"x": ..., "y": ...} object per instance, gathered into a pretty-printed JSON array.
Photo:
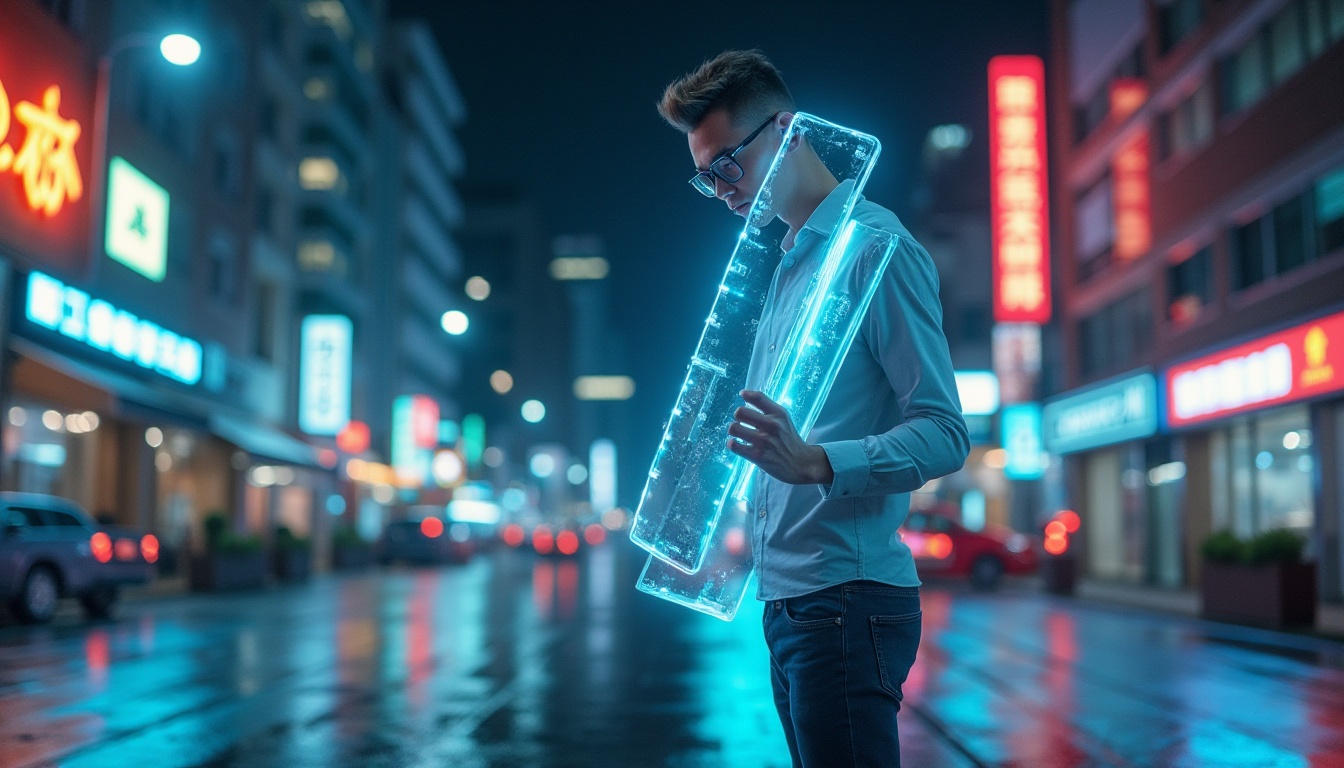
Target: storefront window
[
  {"x": 1262, "y": 473},
  {"x": 52, "y": 451}
]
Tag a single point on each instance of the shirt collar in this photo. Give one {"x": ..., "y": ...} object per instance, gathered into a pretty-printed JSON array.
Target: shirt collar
[{"x": 827, "y": 215}]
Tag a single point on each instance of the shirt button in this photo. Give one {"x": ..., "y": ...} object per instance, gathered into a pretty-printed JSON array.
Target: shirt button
[
  {"x": 772, "y": 347},
  {"x": 761, "y": 512}
]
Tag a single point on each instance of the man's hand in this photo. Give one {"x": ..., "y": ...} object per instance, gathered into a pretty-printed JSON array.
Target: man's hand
[{"x": 764, "y": 435}]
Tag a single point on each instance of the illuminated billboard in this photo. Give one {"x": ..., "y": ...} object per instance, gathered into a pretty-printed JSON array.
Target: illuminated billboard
[
  {"x": 326, "y": 347},
  {"x": 1018, "y": 193},
  {"x": 1020, "y": 425},
  {"x": 1299, "y": 363}
]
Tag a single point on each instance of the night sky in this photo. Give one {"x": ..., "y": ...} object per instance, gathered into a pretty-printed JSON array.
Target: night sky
[{"x": 560, "y": 99}]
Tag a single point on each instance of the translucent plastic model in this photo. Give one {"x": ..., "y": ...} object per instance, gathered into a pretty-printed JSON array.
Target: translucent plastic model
[
  {"x": 693, "y": 472},
  {"x": 823, "y": 329}
]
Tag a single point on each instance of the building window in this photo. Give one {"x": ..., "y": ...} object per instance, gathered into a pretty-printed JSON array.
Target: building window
[
  {"x": 1286, "y": 44},
  {"x": 268, "y": 117},
  {"x": 223, "y": 269},
  {"x": 70, "y": 13},
  {"x": 263, "y": 340},
  {"x": 1090, "y": 115},
  {"x": 226, "y": 168},
  {"x": 263, "y": 215},
  {"x": 1248, "y": 254},
  {"x": 1330, "y": 211},
  {"x": 1094, "y": 231},
  {"x": 1177, "y": 20},
  {"x": 1190, "y": 286},
  {"x": 1290, "y": 235},
  {"x": 1189, "y": 125},
  {"x": 1262, "y": 473},
  {"x": 1244, "y": 75},
  {"x": 1336, "y": 11},
  {"x": 1116, "y": 336}
]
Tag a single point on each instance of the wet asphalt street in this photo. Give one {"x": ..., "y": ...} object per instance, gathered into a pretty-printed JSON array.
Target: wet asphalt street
[{"x": 515, "y": 660}]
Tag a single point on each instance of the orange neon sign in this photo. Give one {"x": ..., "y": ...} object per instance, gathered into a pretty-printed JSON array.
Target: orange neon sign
[
  {"x": 46, "y": 161},
  {"x": 1018, "y": 193},
  {"x": 1129, "y": 174}
]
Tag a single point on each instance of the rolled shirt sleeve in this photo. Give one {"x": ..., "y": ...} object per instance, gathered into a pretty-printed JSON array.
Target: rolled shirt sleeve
[{"x": 903, "y": 331}]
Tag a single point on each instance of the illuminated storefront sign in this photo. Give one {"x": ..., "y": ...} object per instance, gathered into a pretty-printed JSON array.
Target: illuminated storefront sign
[
  {"x": 137, "y": 220},
  {"x": 1129, "y": 174},
  {"x": 415, "y": 435},
  {"x": 1109, "y": 413},
  {"x": 1021, "y": 433},
  {"x": 978, "y": 392},
  {"x": 46, "y": 106},
  {"x": 1299, "y": 363},
  {"x": 72, "y": 313},
  {"x": 1018, "y": 199},
  {"x": 325, "y": 350}
]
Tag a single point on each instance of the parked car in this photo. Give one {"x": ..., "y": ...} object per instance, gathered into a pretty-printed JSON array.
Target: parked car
[
  {"x": 423, "y": 542},
  {"x": 51, "y": 548},
  {"x": 942, "y": 546}
]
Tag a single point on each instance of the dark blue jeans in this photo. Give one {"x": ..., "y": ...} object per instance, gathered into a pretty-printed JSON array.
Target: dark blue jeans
[{"x": 838, "y": 658}]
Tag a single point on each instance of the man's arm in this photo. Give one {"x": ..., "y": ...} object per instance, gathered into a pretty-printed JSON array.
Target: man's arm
[{"x": 904, "y": 331}]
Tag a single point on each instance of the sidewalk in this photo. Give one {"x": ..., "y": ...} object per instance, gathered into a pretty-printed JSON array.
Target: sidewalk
[{"x": 1181, "y": 602}]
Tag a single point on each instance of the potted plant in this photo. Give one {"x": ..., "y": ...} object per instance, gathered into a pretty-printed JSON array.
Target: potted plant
[
  {"x": 291, "y": 556},
  {"x": 349, "y": 550},
  {"x": 229, "y": 561},
  {"x": 1262, "y": 581}
]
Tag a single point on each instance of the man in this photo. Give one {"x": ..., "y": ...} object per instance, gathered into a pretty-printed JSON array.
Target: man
[{"x": 842, "y": 615}]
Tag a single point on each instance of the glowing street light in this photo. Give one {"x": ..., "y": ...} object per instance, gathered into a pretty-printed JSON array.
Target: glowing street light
[
  {"x": 501, "y": 382},
  {"x": 478, "y": 288},
  {"x": 455, "y": 322},
  {"x": 533, "y": 411},
  {"x": 182, "y": 50}
]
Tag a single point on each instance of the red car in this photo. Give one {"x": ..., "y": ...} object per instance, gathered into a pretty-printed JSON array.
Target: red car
[{"x": 944, "y": 547}]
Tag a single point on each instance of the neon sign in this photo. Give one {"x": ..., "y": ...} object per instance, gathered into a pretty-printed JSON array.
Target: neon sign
[
  {"x": 46, "y": 159},
  {"x": 326, "y": 348},
  {"x": 1018, "y": 211},
  {"x": 72, "y": 313},
  {"x": 1129, "y": 173},
  {"x": 1296, "y": 364}
]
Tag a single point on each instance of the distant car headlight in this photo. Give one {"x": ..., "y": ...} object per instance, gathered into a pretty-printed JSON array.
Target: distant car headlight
[{"x": 1017, "y": 543}]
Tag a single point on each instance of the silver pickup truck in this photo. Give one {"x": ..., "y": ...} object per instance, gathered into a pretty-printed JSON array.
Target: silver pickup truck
[{"x": 51, "y": 548}]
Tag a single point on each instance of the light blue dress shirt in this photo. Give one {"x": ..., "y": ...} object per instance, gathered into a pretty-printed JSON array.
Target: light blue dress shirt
[{"x": 891, "y": 423}]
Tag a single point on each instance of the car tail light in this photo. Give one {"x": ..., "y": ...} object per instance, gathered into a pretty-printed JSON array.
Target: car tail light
[
  {"x": 594, "y": 534},
  {"x": 567, "y": 542},
  {"x": 513, "y": 535},
  {"x": 149, "y": 548},
  {"x": 101, "y": 546},
  {"x": 542, "y": 540},
  {"x": 1058, "y": 529},
  {"x": 432, "y": 527},
  {"x": 125, "y": 549}
]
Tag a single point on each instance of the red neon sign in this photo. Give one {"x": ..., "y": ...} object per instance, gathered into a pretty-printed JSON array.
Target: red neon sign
[
  {"x": 46, "y": 113},
  {"x": 1129, "y": 173},
  {"x": 1301, "y": 362},
  {"x": 1018, "y": 198}
]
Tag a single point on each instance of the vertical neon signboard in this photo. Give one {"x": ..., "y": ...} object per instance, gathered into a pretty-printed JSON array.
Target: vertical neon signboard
[
  {"x": 326, "y": 348},
  {"x": 1018, "y": 191}
]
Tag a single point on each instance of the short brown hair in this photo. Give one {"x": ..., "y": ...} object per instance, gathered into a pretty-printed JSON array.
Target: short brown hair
[{"x": 743, "y": 82}]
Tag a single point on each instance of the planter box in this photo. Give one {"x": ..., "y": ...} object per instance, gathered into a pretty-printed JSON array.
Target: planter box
[
  {"x": 291, "y": 565},
  {"x": 228, "y": 571},
  {"x": 347, "y": 558},
  {"x": 1278, "y": 595},
  {"x": 1060, "y": 573}
]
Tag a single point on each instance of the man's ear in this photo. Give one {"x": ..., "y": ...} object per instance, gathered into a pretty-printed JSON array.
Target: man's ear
[{"x": 784, "y": 121}]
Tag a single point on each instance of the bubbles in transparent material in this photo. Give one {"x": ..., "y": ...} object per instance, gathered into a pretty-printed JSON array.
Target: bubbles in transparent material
[{"x": 694, "y": 474}]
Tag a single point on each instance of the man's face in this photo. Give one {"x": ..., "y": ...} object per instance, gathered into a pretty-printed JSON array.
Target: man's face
[{"x": 717, "y": 135}]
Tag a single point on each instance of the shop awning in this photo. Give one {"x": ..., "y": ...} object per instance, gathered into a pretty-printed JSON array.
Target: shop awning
[
  {"x": 264, "y": 441},
  {"x": 88, "y": 386}
]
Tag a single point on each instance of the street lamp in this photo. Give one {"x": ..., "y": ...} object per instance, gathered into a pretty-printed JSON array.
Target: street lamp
[
  {"x": 182, "y": 50},
  {"x": 455, "y": 322}
]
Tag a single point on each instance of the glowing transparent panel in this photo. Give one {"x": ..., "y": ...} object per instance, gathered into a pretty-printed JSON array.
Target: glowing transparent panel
[
  {"x": 823, "y": 329},
  {"x": 693, "y": 470}
]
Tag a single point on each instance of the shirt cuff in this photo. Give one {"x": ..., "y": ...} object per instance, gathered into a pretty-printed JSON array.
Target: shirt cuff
[{"x": 850, "y": 463}]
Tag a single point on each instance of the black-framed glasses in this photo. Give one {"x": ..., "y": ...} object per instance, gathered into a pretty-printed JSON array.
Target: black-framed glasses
[{"x": 725, "y": 166}]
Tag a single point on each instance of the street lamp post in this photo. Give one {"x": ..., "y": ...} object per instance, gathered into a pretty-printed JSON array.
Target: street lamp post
[{"x": 179, "y": 49}]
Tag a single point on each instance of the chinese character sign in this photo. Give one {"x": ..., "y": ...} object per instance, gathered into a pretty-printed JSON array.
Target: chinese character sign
[
  {"x": 1018, "y": 189},
  {"x": 46, "y": 122}
]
